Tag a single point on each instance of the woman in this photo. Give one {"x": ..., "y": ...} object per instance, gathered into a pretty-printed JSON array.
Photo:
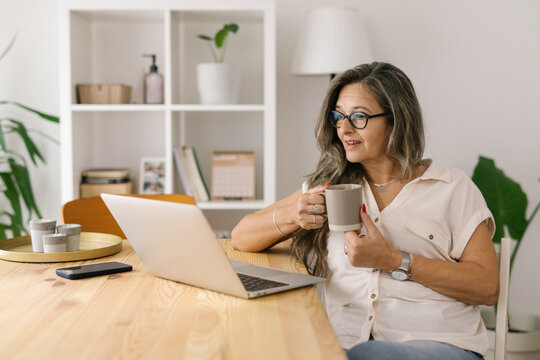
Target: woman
[{"x": 423, "y": 223}]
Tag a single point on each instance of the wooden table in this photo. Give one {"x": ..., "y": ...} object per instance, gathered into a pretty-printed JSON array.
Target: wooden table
[{"x": 135, "y": 315}]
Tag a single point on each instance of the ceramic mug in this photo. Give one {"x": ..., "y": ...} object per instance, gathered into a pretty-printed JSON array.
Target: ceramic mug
[{"x": 343, "y": 203}]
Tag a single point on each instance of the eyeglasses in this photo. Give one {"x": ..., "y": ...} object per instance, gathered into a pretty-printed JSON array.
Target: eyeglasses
[{"x": 358, "y": 120}]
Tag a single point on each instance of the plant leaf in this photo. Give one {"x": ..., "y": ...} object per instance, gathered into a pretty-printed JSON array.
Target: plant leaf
[
  {"x": 3, "y": 234},
  {"x": 205, "y": 37},
  {"x": 45, "y": 116},
  {"x": 9, "y": 46},
  {"x": 24, "y": 184},
  {"x": 232, "y": 27},
  {"x": 12, "y": 193},
  {"x": 504, "y": 197},
  {"x": 16, "y": 227},
  {"x": 31, "y": 147},
  {"x": 220, "y": 37},
  {"x": 2, "y": 138}
]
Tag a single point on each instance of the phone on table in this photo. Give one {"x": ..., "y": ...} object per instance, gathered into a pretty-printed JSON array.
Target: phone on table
[{"x": 86, "y": 271}]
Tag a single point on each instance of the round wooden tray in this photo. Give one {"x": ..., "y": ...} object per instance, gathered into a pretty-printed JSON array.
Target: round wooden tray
[{"x": 93, "y": 245}]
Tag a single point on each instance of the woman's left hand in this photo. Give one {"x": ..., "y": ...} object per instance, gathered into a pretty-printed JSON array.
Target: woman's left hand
[{"x": 371, "y": 250}]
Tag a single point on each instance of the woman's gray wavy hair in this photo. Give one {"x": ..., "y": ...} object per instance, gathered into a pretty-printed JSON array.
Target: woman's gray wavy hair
[{"x": 395, "y": 94}]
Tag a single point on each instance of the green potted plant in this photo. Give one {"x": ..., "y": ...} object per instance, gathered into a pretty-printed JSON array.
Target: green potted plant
[
  {"x": 218, "y": 82},
  {"x": 508, "y": 204},
  {"x": 15, "y": 183}
]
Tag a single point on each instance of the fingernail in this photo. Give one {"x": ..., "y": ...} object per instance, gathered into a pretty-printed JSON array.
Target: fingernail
[
  {"x": 327, "y": 184},
  {"x": 364, "y": 207}
]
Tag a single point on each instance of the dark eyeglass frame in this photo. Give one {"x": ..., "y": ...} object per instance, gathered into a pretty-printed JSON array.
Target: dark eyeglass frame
[{"x": 336, "y": 115}]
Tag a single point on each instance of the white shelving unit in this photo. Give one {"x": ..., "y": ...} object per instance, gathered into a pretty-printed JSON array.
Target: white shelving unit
[{"x": 102, "y": 41}]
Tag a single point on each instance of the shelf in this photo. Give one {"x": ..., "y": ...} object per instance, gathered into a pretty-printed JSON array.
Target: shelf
[
  {"x": 102, "y": 41},
  {"x": 120, "y": 15},
  {"x": 161, "y": 107},
  {"x": 232, "y": 205},
  {"x": 235, "y": 107},
  {"x": 120, "y": 107}
]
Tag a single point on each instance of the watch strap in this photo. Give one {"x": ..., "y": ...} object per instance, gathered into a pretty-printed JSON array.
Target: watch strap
[{"x": 403, "y": 272}]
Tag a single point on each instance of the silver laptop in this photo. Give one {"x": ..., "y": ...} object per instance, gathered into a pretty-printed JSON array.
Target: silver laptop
[{"x": 174, "y": 241}]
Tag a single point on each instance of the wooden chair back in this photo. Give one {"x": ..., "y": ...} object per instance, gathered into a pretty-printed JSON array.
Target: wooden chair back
[{"x": 94, "y": 216}]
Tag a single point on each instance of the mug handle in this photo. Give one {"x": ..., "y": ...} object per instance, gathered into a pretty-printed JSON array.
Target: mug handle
[{"x": 310, "y": 212}]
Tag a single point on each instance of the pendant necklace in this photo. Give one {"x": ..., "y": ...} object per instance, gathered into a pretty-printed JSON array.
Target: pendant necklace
[{"x": 381, "y": 187}]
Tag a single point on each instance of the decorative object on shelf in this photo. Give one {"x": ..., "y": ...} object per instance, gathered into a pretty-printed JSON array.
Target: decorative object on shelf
[
  {"x": 103, "y": 94},
  {"x": 332, "y": 40},
  {"x": 15, "y": 177},
  {"x": 112, "y": 181},
  {"x": 153, "y": 84},
  {"x": 218, "y": 82},
  {"x": 152, "y": 179},
  {"x": 191, "y": 174},
  {"x": 508, "y": 204},
  {"x": 233, "y": 175}
]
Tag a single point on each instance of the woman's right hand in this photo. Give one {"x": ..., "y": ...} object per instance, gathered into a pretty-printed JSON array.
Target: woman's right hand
[{"x": 310, "y": 208}]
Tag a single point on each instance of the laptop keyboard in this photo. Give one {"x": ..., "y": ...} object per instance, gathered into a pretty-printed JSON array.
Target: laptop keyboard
[{"x": 252, "y": 283}]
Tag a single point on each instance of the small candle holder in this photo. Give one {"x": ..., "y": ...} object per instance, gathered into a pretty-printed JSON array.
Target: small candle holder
[
  {"x": 38, "y": 228},
  {"x": 73, "y": 232},
  {"x": 54, "y": 243}
]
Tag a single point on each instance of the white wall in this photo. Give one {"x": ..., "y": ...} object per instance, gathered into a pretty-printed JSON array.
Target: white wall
[
  {"x": 474, "y": 65},
  {"x": 29, "y": 75}
]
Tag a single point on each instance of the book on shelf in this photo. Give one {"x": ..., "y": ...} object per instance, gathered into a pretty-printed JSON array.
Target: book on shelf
[
  {"x": 194, "y": 180},
  {"x": 200, "y": 180},
  {"x": 180, "y": 160}
]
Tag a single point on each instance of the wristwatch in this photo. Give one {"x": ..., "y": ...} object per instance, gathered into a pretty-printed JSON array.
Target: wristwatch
[{"x": 403, "y": 272}]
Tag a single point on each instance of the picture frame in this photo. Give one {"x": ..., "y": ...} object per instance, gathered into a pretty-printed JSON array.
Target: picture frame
[{"x": 152, "y": 175}]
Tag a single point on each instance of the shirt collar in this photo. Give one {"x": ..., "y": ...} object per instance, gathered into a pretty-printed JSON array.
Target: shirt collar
[{"x": 435, "y": 172}]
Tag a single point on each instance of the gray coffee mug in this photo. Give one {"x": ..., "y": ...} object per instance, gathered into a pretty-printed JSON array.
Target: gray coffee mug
[{"x": 343, "y": 203}]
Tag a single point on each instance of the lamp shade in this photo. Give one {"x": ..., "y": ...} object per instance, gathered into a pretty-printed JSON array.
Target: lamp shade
[{"x": 332, "y": 40}]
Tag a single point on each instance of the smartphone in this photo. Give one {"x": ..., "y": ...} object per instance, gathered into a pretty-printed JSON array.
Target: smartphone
[{"x": 86, "y": 271}]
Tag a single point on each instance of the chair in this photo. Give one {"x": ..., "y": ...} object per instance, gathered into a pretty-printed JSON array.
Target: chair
[
  {"x": 501, "y": 322},
  {"x": 94, "y": 216}
]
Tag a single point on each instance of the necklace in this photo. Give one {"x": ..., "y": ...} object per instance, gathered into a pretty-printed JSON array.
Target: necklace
[{"x": 381, "y": 187}]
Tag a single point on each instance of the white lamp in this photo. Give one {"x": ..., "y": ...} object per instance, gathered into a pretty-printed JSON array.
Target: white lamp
[{"x": 332, "y": 41}]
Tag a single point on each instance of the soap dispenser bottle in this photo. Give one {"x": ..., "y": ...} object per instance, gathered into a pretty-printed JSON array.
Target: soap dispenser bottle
[{"x": 153, "y": 84}]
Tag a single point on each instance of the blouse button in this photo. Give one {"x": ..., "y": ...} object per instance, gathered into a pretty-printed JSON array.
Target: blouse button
[
  {"x": 373, "y": 296},
  {"x": 376, "y": 219},
  {"x": 430, "y": 236},
  {"x": 375, "y": 270},
  {"x": 370, "y": 317}
]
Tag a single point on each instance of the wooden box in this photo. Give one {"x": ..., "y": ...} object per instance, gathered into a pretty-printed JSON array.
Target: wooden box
[
  {"x": 90, "y": 190},
  {"x": 103, "y": 94}
]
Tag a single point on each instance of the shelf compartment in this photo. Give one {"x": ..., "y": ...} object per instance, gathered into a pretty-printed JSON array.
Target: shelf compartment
[
  {"x": 115, "y": 140},
  {"x": 107, "y": 48},
  {"x": 210, "y": 131},
  {"x": 244, "y": 49}
]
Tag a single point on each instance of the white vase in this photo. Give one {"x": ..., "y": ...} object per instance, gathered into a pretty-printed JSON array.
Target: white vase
[
  {"x": 523, "y": 344},
  {"x": 218, "y": 83}
]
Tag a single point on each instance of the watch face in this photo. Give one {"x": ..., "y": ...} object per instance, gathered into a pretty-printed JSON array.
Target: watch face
[{"x": 399, "y": 275}]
